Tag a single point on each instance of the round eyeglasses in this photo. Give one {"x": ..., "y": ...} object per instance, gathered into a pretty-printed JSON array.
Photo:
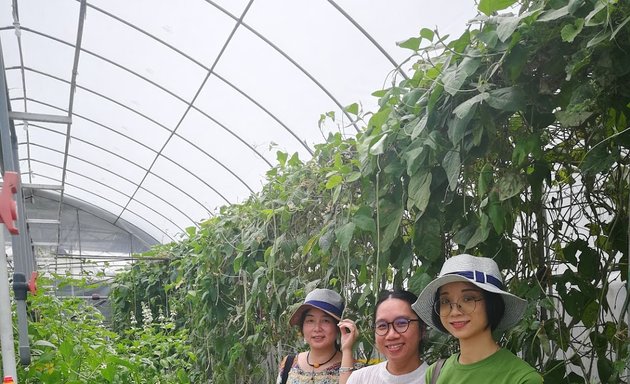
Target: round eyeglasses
[
  {"x": 465, "y": 304},
  {"x": 400, "y": 325}
]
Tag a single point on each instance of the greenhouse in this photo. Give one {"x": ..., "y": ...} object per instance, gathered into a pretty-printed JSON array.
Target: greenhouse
[{"x": 180, "y": 178}]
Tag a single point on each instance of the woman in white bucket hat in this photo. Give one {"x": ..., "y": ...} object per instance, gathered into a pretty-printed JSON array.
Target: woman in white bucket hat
[
  {"x": 468, "y": 301},
  {"x": 320, "y": 321}
]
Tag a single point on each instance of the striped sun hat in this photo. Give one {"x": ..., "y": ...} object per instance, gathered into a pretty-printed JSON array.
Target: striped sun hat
[
  {"x": 325, "y": 299},
  {"x": 480, "y": 271}
]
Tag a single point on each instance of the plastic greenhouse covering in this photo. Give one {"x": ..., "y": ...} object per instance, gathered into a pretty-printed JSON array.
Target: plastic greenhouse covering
[{"x": 133, "y": 120}]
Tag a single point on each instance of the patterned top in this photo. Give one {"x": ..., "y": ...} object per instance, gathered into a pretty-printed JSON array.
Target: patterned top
[{"x": 297, "y": 375}]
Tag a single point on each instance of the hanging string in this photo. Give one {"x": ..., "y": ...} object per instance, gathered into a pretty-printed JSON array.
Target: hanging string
[{"x": 378, "y": 231}]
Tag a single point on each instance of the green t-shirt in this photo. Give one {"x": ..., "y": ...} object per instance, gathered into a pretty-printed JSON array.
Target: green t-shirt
[{"x": 502, "y": 367}]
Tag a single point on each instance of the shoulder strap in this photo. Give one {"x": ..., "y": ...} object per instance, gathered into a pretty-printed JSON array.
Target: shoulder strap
[
  {"x": 288, "y": 363},
  {"x": 436, "y": 370}
]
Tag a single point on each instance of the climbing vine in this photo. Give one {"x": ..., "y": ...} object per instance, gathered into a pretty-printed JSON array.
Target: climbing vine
[{"x": 511, "y": 143}]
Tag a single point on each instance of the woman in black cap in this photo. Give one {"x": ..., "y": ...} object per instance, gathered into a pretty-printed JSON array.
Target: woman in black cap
[{"x": 326, "y": 361}]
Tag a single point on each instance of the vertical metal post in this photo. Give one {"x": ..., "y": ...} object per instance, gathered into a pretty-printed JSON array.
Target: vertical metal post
[
  {"x": 23, "y": 258},
  {"x": 6, "y": 318}
]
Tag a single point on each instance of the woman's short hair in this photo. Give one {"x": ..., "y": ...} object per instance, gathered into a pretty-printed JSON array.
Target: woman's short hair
[{"x": 495, "y": 308}]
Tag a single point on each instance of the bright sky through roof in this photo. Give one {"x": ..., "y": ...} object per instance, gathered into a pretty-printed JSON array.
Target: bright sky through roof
[{"x": 180, "y": 106}]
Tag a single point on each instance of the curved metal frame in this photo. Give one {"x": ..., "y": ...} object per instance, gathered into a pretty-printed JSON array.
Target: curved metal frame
[{"x": 239, "y": 23}]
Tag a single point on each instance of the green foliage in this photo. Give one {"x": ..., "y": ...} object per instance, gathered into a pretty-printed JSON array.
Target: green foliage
[
  {"x": 70, "y": 343},
  {"x": 512, "y": 143}
]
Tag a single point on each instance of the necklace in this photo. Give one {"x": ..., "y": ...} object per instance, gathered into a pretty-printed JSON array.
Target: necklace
[{"x": 317, "y": 365}]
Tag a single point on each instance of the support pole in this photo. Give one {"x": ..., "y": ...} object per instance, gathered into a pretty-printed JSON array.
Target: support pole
[
  {"x": 6, "y": 320},
  {"x": 20, "y": 291}
]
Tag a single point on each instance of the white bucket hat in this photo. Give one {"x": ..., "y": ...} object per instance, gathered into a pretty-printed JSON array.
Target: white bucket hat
[
  {"x": 325, "y": 299},
  {"x": 480, "y": 271}
]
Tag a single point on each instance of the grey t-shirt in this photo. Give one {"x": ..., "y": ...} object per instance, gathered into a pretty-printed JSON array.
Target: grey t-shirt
[{"x": 378, "y": 374}]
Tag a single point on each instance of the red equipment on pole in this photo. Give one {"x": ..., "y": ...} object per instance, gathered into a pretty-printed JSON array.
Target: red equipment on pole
[{"x": 8, "y": 207}]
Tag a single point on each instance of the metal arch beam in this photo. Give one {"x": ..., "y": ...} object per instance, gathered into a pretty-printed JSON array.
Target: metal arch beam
[
  {"x": 73, "y": 88},
  {"x": 295, "y": 63},
  {"x": 40, "y": 117},
  {"x": 124, "y": 178},
  {"x": 204, "y": 67},
  {"x": 191, "y": 102},
  {"x": 18, "y": 34},
  {"x": 111, "y": 257},
  {"x": 135, "y": 164},
  {"x": 166, "y": 91},
  {"x": 107, "y": 186},
  {"x": 262, "y": 108},
  {"x": 369, "y": 37},
  {"x": 106, "y": 199},
  {"x": 135, "y": 232},
  {"x": 159, "y": 125},
  {"x": 148, "y": 148},
  {"x": 221, "y": 164},
  {"x": 217, "y": 7},
  {"x": 109, "y": 200},
  {"x": 144, "y": 78},
  {"x": 167, "y": 129}
]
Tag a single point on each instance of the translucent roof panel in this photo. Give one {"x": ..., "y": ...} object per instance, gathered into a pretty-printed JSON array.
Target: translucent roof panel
[{"x": 159, "y": 112}]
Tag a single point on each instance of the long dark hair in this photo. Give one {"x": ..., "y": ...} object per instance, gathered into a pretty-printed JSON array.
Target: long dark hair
[{"x": 409, "y": 298}]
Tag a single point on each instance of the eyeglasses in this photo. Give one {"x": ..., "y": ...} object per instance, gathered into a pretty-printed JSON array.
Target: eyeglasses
[
  {"x": 465, "y": 304},
  {"x": 400, "y": 325}
]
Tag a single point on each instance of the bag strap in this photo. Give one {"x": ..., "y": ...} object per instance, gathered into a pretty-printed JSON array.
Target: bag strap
[
  {"x": 436, "y": 370},
  {"x": 288, "y": 363}
]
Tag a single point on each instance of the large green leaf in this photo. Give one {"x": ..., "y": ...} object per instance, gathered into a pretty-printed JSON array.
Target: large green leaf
[
  {"x": 364, "y": 220},
  {"x": 419, "y": 191},
  {"x": 454, "y": 78},
  {"x": 506, "y": 27},
  {"x": 344, "y": 235},
  {"x": 588, "y": 264},
  {"x": 412, "y": 43},
  {"x": 485, "y": 180},
  {"x": 464, "y": 108},
  {"x": 458, "y": 126},
  {"x": 490, "y": 6},
  {"x": 452, "y": 165},
  {"x": 414, "y": 155},
  {"x": 390, "y": 212},
  {"x": 515, "y": 61},
  {"x": 510, "y": 185},
  {"x": 497, "y": 215},
  {"x": 419, "y": 280},
  {"x": 598, "y": 159},
  {"x": 334, "y": 181},
  {"x": 481, "y": 233},
  {"x": 391, "y": 230},
  {"x": 554, "y": 14},
  {"x": 378, "y": 148},
  {"x": 419, "y": 127},
  {"x": 573, "y": 119},
  {"x": 570, "y": 31},
  {"x": 507, "y": 99},
  {"x": 590, "y": 314},
  {"x": 427, "y": 237},
  {"x": 605, "y": 369}
]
